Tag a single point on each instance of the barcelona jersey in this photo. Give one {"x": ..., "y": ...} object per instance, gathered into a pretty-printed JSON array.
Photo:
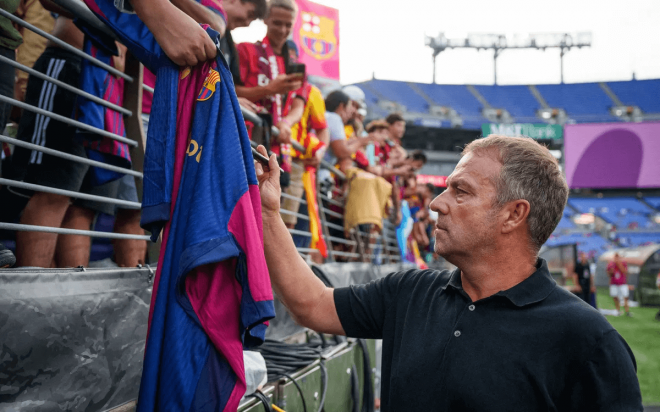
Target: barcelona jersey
[
  {"x": 212, "y": 294},
  {"x": 98, "y": 82}
]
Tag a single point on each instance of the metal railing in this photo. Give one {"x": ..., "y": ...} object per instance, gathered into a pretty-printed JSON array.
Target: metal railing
[{"x": 353, "y": 245}]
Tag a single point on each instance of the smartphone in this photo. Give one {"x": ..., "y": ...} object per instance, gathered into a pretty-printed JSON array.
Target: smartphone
[{"x": 297, "y": 69}]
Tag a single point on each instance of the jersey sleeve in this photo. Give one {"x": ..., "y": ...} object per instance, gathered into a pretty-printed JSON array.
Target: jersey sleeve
[
  {"x": 316, "y": 110},
  {"x": 244, "y": 59},
  {"x": 363, "y": 309}
]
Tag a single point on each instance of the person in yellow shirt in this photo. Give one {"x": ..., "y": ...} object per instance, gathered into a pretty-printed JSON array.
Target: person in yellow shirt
[{"x": 304, "y": 165}]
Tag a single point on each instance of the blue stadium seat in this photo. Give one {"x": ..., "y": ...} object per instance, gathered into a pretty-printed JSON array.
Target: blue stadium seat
[
  {"x": 518, "y": 100},
  {"x": 371, "y": 99},
  {"x": 457, "y": 97},
  {"x": 565, "y": 223},
  {"x": 591, "y": 244},
  {"x": 624, "y": 212},
  {"x": 402, "y": 93},
  {"x": 583, "y": 102},
  {"x": 638, "y": 239},
  {"x": 653, "y": 201},
  {"x": 642, "y": 93}
]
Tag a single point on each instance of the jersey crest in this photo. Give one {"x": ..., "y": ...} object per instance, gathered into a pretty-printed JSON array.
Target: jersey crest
[{"x": 209, "y": 85}]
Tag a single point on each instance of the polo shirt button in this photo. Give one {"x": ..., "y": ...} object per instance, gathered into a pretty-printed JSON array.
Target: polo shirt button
[
  {"x": 457, "y": 333},
  {"x": 471, "y": 307}
]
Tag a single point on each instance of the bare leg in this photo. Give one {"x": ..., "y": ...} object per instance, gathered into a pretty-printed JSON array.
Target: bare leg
[
  {"x": 128, "y": 252},
  {"x": 73, "y": 250},
  {"x": 617, "y": 305},
  {"x": 38, "y": 248},
  {"x": 625, "y": 305}
]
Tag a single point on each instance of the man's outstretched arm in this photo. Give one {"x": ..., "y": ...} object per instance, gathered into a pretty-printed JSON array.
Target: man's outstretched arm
[{"x": 309, "y": 301}]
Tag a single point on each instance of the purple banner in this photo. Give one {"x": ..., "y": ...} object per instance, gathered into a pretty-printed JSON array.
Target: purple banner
[{"x": 612, "y": 155}]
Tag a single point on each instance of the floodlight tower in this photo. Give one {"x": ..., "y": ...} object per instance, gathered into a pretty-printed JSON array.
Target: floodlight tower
[{"x": 500, "y": 42}]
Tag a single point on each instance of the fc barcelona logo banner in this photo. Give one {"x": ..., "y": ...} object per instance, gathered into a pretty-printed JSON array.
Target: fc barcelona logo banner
[{"x": 316, "y": 32}]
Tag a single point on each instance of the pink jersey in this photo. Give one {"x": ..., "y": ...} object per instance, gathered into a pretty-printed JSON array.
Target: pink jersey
[{"x": 619, "y": 278}]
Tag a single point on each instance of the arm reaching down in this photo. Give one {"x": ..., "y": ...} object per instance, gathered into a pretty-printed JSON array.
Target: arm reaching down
[
  {"x": 309, "y": 301},
  {"x": 181, "y": 38}
]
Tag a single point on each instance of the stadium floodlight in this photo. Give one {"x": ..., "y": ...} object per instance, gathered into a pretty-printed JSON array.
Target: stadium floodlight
[{"x": 500, "y": 42}]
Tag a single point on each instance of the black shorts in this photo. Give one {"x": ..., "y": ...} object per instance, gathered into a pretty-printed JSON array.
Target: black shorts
[{"x": 36, "y": 167}]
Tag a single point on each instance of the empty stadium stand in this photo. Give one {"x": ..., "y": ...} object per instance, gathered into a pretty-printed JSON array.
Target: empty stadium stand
[
  {"x": 518, "y": 100},
  {"x": 654, "y": 202},
  {"x": 642, "y": 93},
  {"x": 582, "y": 102},
  {"x": 590, "y": 243},
  {"x": 629, "y": 239},
  {"x": 623, "y": 212}
]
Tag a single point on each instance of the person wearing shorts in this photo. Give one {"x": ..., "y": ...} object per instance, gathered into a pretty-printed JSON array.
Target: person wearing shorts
[
  {"x": 617, "y": 270},
  {"x": 35, "y": 167}
]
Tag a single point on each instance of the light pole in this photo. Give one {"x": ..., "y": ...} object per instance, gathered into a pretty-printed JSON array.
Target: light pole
[{"x": 500, "y": 42}]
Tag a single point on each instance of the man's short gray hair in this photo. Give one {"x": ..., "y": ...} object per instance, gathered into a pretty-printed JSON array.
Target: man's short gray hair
[
  {"x": 285, "y": 4},
  {"x": 528, "y": 172}
]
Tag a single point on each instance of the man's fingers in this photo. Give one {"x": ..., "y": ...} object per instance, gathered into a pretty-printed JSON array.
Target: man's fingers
[
  {"x": 274, "y": 169},
  {"x": 209, "y": 48},
  {"x": 261, "y": 149}
]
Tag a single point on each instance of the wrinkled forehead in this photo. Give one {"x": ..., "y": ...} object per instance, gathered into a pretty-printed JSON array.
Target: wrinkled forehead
[{"x": 477, "y": 169}]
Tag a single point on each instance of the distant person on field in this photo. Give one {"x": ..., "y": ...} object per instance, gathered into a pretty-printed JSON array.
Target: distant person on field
[
  {"x": 617, "y": 270},
  {"x": 582, "y": 277}
]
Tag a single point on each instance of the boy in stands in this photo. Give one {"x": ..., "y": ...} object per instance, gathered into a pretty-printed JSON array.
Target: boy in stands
[{"x": 263, "y": 79}]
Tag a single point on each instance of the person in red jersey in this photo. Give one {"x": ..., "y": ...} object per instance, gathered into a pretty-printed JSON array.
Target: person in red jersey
[{"x": 263, "y": 79}]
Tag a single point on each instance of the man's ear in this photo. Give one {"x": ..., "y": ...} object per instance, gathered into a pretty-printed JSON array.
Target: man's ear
[{"x": 515, "y": 215}]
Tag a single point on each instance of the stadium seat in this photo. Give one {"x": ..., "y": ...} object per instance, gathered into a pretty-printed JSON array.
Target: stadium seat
[
  {"x": 624, "y": 212},
  {"x": 642, "y": 93},
  {"x": 631, "y": 239},
  {"x": 583, "y": 102},
  {"x": 458, "y": 98},
  {"x": 590, "y": 243},
  {"x": 517, "y": 100},
  {"x": 400, "y": 92},
  {"x": 653, "y": 201}
]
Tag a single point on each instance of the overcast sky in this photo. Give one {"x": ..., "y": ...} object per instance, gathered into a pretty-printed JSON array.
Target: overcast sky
[{"x": 386, "y": 38}]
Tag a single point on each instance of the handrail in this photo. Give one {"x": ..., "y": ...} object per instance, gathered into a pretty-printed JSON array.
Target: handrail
[
  {"x": 64, "y": 45},
  {"x": 252, "y": 117}
]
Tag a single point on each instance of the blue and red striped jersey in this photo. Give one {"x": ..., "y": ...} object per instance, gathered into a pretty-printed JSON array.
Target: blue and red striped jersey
[
  {"x": 212, "y": 295},
  {"x": 98, "y": 82}
]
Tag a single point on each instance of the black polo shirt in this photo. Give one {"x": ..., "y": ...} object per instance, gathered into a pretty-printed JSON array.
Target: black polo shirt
[{"x": 534, "y": 347}]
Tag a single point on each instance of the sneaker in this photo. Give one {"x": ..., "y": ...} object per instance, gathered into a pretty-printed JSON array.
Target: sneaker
[
  {"x": 629, "y": 314},
  {"x": 7, "y": 258}
]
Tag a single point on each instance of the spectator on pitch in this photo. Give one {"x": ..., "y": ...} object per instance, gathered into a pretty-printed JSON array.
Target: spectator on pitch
[
  {"x": 657, "y": 284},
  {"x": 263, "y": 79},
  {"x": 617, "y": 270},
  {"x": 583, "y": 278}
]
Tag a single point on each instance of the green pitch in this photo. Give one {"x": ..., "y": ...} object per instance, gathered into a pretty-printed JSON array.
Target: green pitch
[{"x": 642, "y": 332}]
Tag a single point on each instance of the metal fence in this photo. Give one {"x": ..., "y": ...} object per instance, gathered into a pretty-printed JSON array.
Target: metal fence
[{"x": 357, "y": 246}]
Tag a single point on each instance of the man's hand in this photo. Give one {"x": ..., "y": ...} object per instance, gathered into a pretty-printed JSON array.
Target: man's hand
[
  {"x": 181, "y": 38},
  {"x": 284, "y": 137},
  {"x": 269, "y": 184},
  {"x": 245, "y": 103},
  {"x": 284, "y": 83}
]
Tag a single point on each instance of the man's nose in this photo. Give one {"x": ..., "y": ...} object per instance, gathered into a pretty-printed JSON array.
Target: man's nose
[{"x": 439, "y": 205}]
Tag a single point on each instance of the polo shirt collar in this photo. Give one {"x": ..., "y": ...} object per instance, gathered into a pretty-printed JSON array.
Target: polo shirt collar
[{"x": 531, "y": 290}]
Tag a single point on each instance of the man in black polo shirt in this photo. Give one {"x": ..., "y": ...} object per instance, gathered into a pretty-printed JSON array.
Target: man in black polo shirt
[{"x": 496, "y": 334}]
